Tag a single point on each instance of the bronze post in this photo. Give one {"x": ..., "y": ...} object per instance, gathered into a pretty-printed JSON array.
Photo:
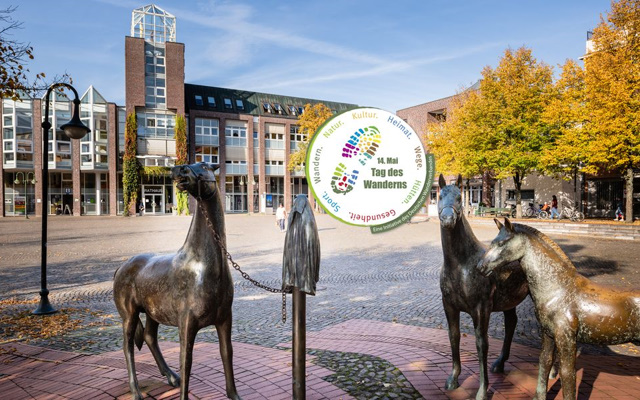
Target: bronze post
[{"x": 299, "y": 344}]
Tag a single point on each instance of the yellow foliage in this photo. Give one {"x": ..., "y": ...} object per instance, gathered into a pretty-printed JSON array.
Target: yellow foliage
[
  {"x": 308, "y": 123},
  {"x": 612, "y": 76}
]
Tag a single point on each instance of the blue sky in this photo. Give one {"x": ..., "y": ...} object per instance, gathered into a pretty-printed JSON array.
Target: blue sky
[{"x": 387, "y": 54}]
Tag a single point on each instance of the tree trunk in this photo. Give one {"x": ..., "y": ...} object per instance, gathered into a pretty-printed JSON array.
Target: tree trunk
[
  {"x": 517, "y": 182},
  {"x": 628, "y": 214},
  {"x": 468, "y": 201},
  {"x": 487, "y": 184}
]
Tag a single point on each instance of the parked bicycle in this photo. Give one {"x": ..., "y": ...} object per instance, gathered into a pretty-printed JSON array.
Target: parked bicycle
[
  {"x": 572, "y": 213},
  {"x": 533, "y": 211}
]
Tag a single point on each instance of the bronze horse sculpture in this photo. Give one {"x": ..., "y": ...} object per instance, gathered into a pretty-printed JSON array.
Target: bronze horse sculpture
[
  {"x": 569, "y": 307},
  {"x": 190, "y": 289},
  {"x": 465, "y": 289}
]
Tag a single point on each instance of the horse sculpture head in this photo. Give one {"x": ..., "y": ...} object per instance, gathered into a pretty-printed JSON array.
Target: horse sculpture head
[
  {"x": 507, "y": 247},
  {"x": 450, "y": 203},
  {"x": 198, "y": 179}
]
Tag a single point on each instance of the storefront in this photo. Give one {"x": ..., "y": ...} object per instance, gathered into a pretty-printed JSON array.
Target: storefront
[
  {"x": 19, "y": 193},
  {"x": 95, "y": 193}
]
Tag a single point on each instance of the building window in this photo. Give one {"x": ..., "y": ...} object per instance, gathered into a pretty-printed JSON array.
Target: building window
[
  {"x": 207, "y": 131},
  {"x": 293, "y": 110},
  {"x": 274, "y": 168},
  {"x": 155, "y": 84},
  {"x": 236, "y": 194},
  {"x": 227, "y": 103},
  {"x": 235, "y": 133},
  {"x": 239, "y": 104},
  {"x": 211, "y": 101},
  {"x": 199, "y": 100},
  {"x": 278, "y": 108},
  {"x": 300, "y": 110},
  {"x": 236, "y": 167},
  {"x": 267, "y": 107},
  {"x": 525, "y": 195},
  {"x": 295, "y": 137},
  {"x": 156, "y": 125},
  {"x": 207, "y": 154},
  {"x": 17, "y": 133}
]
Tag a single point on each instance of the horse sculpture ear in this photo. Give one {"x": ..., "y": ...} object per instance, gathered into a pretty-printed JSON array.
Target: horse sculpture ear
[
  {"x": 213, "y": 167},
  {"x": 442, "y": 182},
  {"x": 498, "y": 223},
  {"x": 508, "y": 224},
  {"x": 459, "y": 182}
]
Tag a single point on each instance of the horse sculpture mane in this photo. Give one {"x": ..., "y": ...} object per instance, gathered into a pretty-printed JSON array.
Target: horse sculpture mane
[{"x": 545, "y": 240}]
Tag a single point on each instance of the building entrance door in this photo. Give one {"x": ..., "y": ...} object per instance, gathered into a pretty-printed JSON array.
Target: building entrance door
[
  {"x": 153, "y": 204},
  {"x": 153, "y": 197}
]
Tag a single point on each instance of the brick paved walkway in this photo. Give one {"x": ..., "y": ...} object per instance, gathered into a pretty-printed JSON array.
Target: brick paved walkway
[{"x": 421, "y": 354}]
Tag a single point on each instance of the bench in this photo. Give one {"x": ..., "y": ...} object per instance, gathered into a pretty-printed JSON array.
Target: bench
[{"x": 494, "y": 211}]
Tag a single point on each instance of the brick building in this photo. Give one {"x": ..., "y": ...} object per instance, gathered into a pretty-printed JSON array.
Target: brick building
[{"x": 251, "y": 135}]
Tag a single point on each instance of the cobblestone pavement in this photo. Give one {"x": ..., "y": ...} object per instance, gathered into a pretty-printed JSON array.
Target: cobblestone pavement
[{"x": 389, "y": 277}]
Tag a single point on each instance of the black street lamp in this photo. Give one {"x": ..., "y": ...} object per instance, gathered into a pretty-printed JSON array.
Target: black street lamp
[
  {"x": 74, "y": 129},
  {"x": 25, "y": 180}
]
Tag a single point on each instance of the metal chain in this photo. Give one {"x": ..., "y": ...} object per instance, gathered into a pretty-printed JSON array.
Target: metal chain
[{"x": 235, "y": 265}]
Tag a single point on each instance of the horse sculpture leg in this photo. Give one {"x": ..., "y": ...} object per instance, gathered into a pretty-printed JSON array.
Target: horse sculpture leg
[
  {"x": 481, "y": 325},
  {"x": 546, "y": 363},
  {"x": 453, "y": 320},
  {"x": 129, "y": 323},
  {"x": 566, "y": 345},
  {"x": 188, "y": 330},
  {"x": 226, "y": 353},
  {"x": 510, "y": 322},
  {"x": 151, "y": 339}
]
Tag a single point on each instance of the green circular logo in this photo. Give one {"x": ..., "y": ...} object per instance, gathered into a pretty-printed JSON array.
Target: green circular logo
[{"x": 367, "y": 167}]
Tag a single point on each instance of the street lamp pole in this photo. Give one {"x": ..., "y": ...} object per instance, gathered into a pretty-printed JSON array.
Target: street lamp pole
[{"x": 74, "y": 129}]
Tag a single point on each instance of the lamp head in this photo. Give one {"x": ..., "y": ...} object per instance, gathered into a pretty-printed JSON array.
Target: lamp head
[{"x": 75, "y": 129}]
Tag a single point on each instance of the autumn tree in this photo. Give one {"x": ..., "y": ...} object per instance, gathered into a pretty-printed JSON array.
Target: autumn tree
[
  {"x": 612, "y": 77},
  {"x": 500, "y": 128},
  {"x": 515, "y": 95},
  {"x": 567, "y": 119},
  {"x": 308, "y": 122},
  {"x": 455, "y": 140}
]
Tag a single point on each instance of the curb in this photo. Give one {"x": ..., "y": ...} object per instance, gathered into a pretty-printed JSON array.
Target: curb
[{"x": 605, "y": 231}]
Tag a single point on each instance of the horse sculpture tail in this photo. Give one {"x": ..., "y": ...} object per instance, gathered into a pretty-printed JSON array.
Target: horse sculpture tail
[{"x": 139, "y": 335}]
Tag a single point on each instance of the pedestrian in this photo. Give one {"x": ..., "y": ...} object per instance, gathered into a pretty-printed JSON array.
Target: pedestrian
[
  {"x": 545, "y": 207},
  {"x": 281, "y": 216},
  {"x": 554, "y": 207},
  {"x": 619, "y": 214}
]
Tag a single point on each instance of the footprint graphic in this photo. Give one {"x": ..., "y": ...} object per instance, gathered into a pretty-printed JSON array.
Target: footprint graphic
[
  {"x": 342, "y": 182},
  {"x": 363, "y": 144}
]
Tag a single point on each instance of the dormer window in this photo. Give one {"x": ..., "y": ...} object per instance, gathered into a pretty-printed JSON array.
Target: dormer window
[
  {"x": 278, "y": 108},
  {"x": 211, "y": 101},
  {"x": 199, "y": 100},
  {"x": 239, "y": 104},
  {"x": 293, "y": 110},
  {"x": 227, "y": 103},
  {"x": 300, "y": 110},
  {"x": 267, "y": 107}
]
